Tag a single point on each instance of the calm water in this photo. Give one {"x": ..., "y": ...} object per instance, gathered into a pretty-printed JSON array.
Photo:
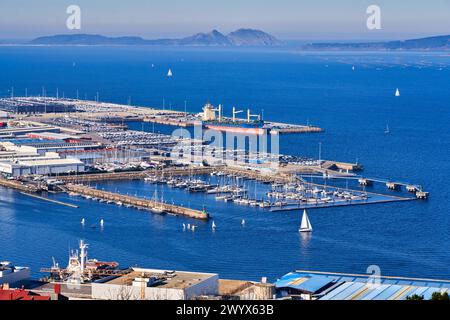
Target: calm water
[{"x": 410, "y": 239}]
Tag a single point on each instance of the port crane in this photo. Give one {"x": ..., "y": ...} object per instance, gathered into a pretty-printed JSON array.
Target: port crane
[
  {"x": 235, "y": 112},
  {"x": 219, "y": 111},
  {"x": 250, "y": 116}
]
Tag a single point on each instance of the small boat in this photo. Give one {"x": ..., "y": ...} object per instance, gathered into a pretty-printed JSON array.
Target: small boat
[
  {"x": 387, "y": 130},
  {"x": 157, "y": 210},
  {"x": 306, "y": 224},
  {"x": 83, "y": 221},
  {"x": 169, "y": 73},
  {"x": 243, "y": 222},
  {"x": 397, "y": 93},
  {"x": 102, "y": 223},
  {"x": 213, "y": 226},
  {"x": 184, "y": 226}
]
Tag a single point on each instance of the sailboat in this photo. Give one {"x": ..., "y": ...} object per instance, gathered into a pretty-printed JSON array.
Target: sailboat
[
  {"x": 157, "y": 209},
  {"x": 102, "y": 223},
  {"x": 387, "y": 130},
  {"x": 214, "y": 226},
  {"x": 169, "y": 73},
  {"x": 306, "y": 224},
  {"x": 243, "y": 222},
  {"x": 397, "y": 93},
  {"x": 83, "y": 221}
]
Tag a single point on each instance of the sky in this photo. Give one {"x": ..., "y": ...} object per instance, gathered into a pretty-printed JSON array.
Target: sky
[{"x": 286, "y": 19}]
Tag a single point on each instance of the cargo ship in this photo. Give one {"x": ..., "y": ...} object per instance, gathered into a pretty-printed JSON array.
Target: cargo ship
[{"x": 253, "y": 125}]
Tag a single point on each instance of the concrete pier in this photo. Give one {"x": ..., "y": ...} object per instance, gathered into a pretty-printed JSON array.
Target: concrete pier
[
  {"x": 14, "y": 184},
  {"x": 137, "y": 202}
]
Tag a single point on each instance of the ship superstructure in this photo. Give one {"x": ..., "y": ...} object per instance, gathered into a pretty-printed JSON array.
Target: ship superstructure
[{"x": 80, "y": 269}]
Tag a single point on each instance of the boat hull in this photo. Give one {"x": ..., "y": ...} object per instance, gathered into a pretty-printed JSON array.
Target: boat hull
[{"x": 242, "y": 130}]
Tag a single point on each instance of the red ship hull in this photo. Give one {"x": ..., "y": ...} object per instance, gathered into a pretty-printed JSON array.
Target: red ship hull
[{"x": 241, "y": 130}]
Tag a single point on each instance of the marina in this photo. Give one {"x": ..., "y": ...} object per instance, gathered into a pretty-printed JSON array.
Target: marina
[{"x": 354, "y": 146}]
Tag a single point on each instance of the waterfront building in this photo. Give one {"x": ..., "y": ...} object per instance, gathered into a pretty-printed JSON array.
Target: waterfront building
[
  {"x": 151, "y": 284},
  {"x": 315, "y": 285}
]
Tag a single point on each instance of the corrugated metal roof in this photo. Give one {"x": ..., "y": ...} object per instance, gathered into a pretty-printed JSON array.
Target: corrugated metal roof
[
  {"x": 360, "y": 287},
  {"x": 303, "y": 283}
]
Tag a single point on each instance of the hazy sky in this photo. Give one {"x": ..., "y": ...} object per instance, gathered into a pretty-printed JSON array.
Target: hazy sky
[{"x": 286, "y": 19}]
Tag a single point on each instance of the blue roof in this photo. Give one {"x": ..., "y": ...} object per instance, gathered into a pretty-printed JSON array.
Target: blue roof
[
  {"x": 33, "y": 141},
  {"x": 303, "y": 282},
  {"x": 360, "y": 287}
]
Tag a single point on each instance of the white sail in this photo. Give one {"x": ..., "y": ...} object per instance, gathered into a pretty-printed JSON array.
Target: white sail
[
  {"x": 243, "y": 222},
  {"x": 306, "y": 224},
  {"x": 83, "y": 221},
  {"x": 102, "y": 222},
  {"x": 169, "y": 73},
  {"x": 397, "y": 93},
  {"x": 214, "y": 225}
]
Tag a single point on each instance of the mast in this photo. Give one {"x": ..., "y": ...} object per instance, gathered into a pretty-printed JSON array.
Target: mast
[{"x": 83, "y": 255}]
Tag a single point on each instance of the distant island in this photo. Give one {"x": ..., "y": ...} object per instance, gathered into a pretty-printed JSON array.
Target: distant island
[
  {"x": 238, "y": 38},
  {"x": 429, "y": 43},
  {"x": 246, "y": 38}
]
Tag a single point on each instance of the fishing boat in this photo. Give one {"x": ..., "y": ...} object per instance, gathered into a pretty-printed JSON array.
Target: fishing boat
[{"x": 306, "y": 224}]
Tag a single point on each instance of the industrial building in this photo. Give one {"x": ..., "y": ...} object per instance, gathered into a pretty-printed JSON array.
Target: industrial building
[
  {"x": 151, "y": 284},
  {"x": 43, "y": 146},
  {"x": 315, "y": 285}
]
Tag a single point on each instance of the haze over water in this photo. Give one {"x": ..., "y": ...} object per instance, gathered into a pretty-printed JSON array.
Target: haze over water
[{"x": 353, "y": 106}]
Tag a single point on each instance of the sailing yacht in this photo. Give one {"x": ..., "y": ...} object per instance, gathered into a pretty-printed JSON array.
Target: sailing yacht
[
  {"x": 306, "y": 224},
  {"x": 157, "y": 209},
  {"x": 397, "y": 93},
  {"x": 169, "y": 73}
]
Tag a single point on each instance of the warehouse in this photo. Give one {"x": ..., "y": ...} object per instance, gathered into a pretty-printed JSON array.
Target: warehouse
[
  {"x": 41, "y": 166},
  {"x": 43, "y": 146},
  {"x": 315, "y": 285}
]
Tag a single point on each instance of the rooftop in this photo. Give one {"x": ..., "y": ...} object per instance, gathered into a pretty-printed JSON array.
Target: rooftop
[
  {"x": 342, "y": 286},
  {"x": 169, "y": 279},
  {"x": 46, "y": 162}
]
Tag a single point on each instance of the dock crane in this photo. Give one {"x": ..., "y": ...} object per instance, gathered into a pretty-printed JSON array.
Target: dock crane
[
  {"x": 250, "y": 116},
  {"x": 235, "y": 112},
  {"x": 219, "y": 111}
]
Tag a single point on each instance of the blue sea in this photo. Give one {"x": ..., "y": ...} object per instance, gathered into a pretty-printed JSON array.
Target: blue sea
[{"x": 353, "y": 106}]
